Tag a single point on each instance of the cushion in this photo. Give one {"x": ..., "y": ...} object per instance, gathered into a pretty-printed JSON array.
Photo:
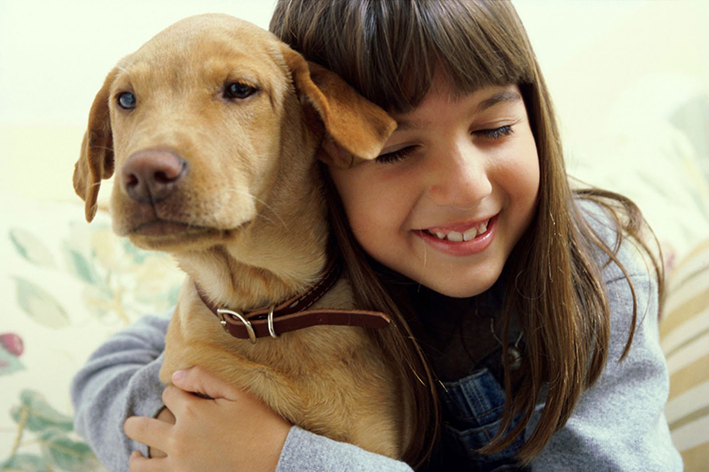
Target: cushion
[{"x": 684, "y": 332}]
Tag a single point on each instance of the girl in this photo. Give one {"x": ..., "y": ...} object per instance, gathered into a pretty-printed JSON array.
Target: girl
[{"x": 533, "y": 307}]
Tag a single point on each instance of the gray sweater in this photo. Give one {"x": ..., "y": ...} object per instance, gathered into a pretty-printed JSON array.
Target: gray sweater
[{"x": 617, "y": 425}]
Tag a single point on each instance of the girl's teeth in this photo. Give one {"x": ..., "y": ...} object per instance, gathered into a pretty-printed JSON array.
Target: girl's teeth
[
  {"x": 457, "y": 237},
  {"x": 470, "y": 234}
]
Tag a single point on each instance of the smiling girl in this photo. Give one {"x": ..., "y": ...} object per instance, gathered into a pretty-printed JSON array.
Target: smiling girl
[
  {"x": 452, "y": 192},
  {"x": 533, "y": 306}
]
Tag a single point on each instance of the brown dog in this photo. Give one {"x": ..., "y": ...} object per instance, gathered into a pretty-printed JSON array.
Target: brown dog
[{"x": 214, "y": 128}]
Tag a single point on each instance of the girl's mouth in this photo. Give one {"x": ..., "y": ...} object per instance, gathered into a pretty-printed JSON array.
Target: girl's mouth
[{"x": 459, "y": 236}]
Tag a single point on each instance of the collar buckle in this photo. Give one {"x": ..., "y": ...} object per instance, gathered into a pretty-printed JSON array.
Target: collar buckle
[{"x": 221, "y": 312}]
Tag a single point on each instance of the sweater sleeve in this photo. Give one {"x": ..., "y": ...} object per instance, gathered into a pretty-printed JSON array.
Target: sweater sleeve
[
  {"x": 305, "y": 451},
  {"x": 619, "y": 423},
  {"x": 120, "y": 380}
]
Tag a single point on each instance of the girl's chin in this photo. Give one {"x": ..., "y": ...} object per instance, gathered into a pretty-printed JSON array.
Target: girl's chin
[
  {"x": 464, "y": 292},
  {"x": 457, "y": 287}
]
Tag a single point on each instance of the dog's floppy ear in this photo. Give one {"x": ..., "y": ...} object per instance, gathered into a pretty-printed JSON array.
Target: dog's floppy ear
[
  {"x": 96, "y": 159},
  {"x": 356, "y": 128}
]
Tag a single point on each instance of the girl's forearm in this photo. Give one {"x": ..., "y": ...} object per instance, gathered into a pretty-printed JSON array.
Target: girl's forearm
[{"x": 119, "y": 380}]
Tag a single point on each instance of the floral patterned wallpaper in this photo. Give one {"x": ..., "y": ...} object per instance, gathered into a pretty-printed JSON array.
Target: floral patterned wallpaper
[{"x": 67, "y": 286}]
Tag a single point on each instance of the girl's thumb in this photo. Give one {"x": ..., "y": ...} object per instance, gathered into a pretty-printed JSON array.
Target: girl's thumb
[
  {"x": 179, "y": 375},
  {"x": 199, "y": 382}
]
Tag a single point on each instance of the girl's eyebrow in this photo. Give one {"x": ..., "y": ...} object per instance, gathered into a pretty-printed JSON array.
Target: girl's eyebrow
[
  {"x": 504, "y": 96},
  {"x": 499, "y": 97}
]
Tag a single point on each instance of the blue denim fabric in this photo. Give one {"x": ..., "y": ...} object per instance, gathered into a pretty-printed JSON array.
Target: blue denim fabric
[{"x": 472, "y": 411}]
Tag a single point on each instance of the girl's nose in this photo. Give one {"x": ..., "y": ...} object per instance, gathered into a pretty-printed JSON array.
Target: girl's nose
[{"x": 459, "y": 176}]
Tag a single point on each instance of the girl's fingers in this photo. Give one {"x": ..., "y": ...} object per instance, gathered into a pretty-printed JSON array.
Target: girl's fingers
[
  {"x": 148, "y": 431},
  {"x": 175, "y": 398},
  {"x": 202, "y": 382},
  {"x": 140, "y": 463}
]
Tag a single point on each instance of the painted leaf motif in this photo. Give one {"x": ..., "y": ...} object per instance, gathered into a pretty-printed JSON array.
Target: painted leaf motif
[
  {"x": 38, "y": 415},
  {"x": 137, "y": 254},
  {"x": 31, "y": 248},
  {"x": 80, "y": 266},
  {"x": 9, "y": 362},
  {"x": 40, "y": 305},
  {"x": 25, "y": 463},
  {"x": 60, "y": 450}
]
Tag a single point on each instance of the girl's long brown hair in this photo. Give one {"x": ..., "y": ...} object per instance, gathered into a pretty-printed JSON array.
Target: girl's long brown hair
[{"x": 388, "y": 50}]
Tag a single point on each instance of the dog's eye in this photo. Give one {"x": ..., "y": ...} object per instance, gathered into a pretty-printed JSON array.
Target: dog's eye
[
  {"x": 126, "y": 100},
  {"x": 239, "y": 90}
]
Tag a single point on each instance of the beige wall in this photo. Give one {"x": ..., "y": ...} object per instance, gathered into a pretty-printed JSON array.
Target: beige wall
[{"x": 620, "y": 46}]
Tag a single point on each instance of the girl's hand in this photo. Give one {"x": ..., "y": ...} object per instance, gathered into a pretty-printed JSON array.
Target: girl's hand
[
  {"x": 166, "y": 416},
  {"x": 231, "y": 431}
]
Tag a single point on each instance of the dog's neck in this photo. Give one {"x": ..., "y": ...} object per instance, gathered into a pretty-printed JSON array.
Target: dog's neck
[
  {"x": 271, "y": 262},
  {"x": 241, "y": 286}
]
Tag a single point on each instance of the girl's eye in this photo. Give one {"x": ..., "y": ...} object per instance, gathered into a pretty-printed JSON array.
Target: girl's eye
[
  {"x": 395, "y": 156},
  {"x": 495, "y": 133},
  {"x": 126, "y": 100},
  {"x": 239, "y": 91}
]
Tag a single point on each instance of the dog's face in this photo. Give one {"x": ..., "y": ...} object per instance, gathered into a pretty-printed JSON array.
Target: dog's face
[
  {"x": 199, "y": 124},
  {"x": 196, "y": 119}
]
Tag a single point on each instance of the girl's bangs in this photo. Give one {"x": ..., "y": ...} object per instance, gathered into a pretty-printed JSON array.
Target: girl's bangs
[{"x": 475, "y": 43}]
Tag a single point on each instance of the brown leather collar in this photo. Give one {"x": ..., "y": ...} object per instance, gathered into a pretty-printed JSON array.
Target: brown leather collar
[{"x": 294, "y": 314}]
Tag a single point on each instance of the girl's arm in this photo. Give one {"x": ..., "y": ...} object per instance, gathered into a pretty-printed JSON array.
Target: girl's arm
[
  {"x": 120, "y": 381},
  {"x": 619, "y": 423},
  {"x": 234, "y": 431},
  {"x": 306, "y": 451}
]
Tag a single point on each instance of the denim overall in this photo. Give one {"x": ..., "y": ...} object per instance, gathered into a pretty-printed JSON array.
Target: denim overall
[
  {"x": 471, "y": 406},
  {"x": 472, "y": 411}
]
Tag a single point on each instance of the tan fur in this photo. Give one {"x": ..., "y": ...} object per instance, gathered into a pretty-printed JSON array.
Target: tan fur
[{"x": 248, "y": 220}]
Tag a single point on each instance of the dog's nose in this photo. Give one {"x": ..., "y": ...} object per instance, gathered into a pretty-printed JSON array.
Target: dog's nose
[{"x": 151, "y": 176}]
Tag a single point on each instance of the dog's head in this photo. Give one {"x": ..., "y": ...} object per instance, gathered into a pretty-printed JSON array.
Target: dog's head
[{"x": 200, "y": 123}]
